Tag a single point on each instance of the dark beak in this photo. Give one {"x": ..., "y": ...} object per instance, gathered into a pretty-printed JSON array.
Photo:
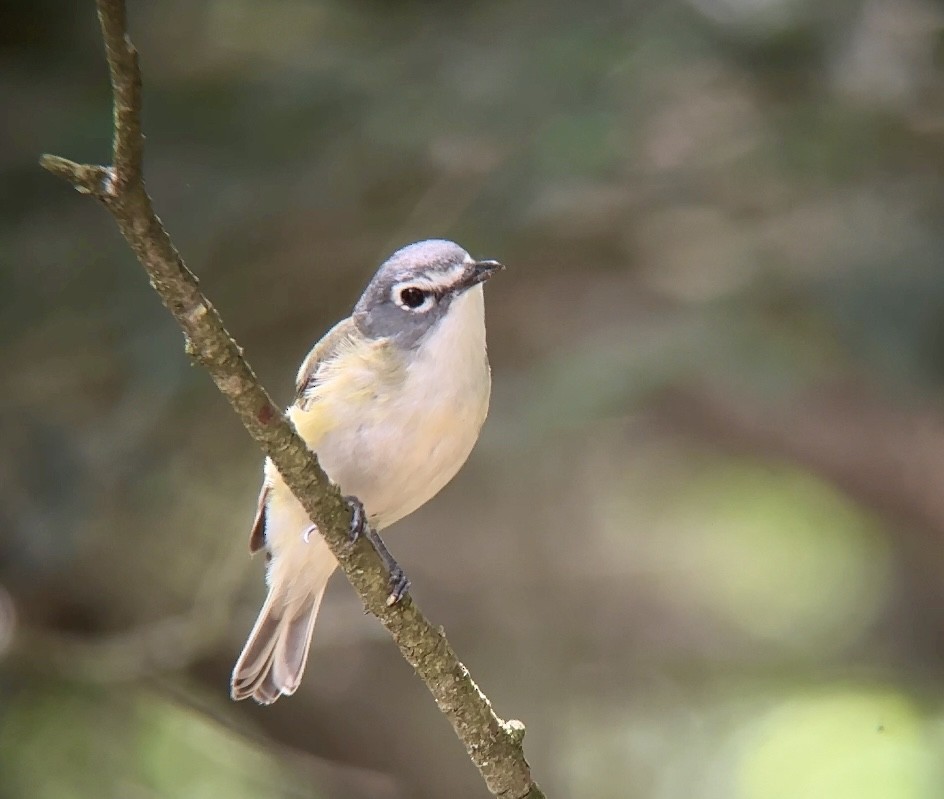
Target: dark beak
[{"x": 481, "y": 271}]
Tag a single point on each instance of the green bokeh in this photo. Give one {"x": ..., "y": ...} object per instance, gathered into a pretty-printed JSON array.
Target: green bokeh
[
  {"x": 848, "y": 744},
  {"x": 138, "y": 744},
  {"x": 783, "y": 555}
]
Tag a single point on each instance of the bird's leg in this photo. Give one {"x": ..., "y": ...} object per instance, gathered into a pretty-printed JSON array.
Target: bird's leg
[{"x": 399, "y": 584}]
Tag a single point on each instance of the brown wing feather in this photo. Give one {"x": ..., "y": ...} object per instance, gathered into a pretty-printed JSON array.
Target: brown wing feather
[
  {"x": 257, "y": 534},
  {"x": 306, "y": 379}
]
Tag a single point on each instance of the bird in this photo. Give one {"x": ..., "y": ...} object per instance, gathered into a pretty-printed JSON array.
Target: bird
[{"x": 391, "y": 400}]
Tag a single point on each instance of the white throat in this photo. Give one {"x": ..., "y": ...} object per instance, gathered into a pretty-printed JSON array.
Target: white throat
[{"x": 456, "y": 345}]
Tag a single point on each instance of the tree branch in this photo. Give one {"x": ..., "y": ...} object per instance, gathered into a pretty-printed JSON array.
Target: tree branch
[{"x": 494, "y": 745}]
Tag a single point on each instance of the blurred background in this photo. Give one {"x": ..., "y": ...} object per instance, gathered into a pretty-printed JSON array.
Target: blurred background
[{"x": 698, "y": 550}]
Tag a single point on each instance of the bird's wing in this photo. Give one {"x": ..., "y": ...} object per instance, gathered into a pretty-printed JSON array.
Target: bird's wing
[
  {"x": 308, "y": 375},
  {"x": 306, "y": 380},
  {"x": 257, "y": 534}
]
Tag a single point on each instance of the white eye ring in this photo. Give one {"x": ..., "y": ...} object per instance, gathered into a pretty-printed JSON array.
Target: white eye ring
[{"x": 413, "y": 298}]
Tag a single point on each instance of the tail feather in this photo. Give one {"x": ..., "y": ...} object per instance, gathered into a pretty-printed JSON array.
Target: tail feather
[{"x": 274, "y": 657}]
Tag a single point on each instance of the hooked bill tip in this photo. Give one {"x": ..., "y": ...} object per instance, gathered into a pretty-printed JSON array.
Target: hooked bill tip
[{"x": 482, "y": 270}]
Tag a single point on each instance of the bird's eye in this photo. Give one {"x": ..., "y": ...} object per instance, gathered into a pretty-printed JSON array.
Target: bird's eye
[{"x": 413, "y": 297}]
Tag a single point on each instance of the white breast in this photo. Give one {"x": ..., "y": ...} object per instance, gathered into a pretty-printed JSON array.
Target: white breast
[{"x": 397, "y": 451}]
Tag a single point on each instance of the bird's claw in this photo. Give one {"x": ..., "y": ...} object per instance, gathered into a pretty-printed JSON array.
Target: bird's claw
[
  {"x": 399, "y": 585},
  {"x": 358, "y": 526}
]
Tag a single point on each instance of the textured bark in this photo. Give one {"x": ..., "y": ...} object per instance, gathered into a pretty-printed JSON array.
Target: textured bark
[{"x": 494, "y": 745}]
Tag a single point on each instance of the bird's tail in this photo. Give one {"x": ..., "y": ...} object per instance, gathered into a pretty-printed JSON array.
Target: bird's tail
[{"x": 272, "y": 662}]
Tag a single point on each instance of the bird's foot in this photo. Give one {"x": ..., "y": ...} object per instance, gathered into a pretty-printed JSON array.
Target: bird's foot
[
  {"x": 399, "y": 583},
  {"x": 358, "y": 526}
]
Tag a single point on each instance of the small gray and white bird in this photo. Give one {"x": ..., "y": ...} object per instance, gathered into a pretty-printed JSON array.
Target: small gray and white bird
[{"x": 391, "y": 400}]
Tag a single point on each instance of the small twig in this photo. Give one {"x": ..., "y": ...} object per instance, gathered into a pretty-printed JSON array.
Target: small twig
[
  {"x": 493, "y": 745},
  {"x": 85, "y": 178}
]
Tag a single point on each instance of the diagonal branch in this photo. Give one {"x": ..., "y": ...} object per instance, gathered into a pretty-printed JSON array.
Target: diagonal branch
[{"x": 494, "y": 745}]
